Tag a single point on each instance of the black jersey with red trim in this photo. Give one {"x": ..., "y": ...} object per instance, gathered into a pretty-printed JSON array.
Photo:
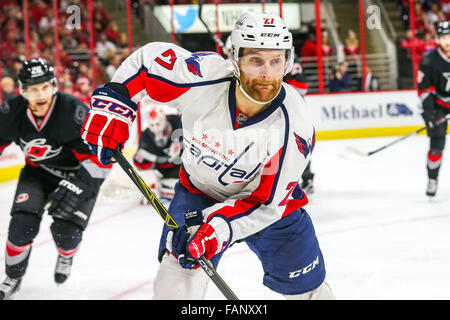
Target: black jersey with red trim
[
  {"x": 151, "y": 156},
  {"x": 433, "y": 80},
  {"x": 297, "y": 78},
  {"x": 52, "y": 142}
]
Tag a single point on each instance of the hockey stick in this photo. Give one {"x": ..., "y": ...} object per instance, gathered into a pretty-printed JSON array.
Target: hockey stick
[
  {"x": 213, "y": 37},
  {"x": 354, "y": 150},
  {"x": 170, "y": 222}
]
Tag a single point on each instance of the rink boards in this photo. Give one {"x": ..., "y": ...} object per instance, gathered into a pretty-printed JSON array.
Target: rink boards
[{"x": 336, "y": 116}]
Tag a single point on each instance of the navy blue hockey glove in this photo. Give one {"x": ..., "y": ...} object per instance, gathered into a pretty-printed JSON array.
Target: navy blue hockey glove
[{"x": 177, "y": 242}]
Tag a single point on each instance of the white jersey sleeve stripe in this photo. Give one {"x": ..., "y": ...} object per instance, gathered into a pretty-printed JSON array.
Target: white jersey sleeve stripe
[{"x": 161, "y": 89}]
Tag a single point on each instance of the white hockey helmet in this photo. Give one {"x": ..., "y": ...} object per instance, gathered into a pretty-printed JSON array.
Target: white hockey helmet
[{"x": 261, "y": 31}]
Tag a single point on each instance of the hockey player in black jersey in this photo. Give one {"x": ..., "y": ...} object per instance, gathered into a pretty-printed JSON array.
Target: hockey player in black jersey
[
  {"x": 60, "y": 176},
  {"x": 159, "y": 151},
  {"x": 433, "y": 78}
]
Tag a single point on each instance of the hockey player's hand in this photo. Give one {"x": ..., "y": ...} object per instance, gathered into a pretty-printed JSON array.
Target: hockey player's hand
[
  {"x": 177, "y": 239},
  {"x": 107, "y": 124},
  {"x": 433, "y": 117},
  {"x": 210, "y": 239},
  {"x": 67, "y": 199}
]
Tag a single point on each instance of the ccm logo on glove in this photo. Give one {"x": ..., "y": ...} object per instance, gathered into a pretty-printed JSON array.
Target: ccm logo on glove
[{"x": 114, "y": 107}]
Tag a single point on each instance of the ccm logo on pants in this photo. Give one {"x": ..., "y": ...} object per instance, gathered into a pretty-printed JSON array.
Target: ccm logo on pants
[{"x": 305, "y": 270}]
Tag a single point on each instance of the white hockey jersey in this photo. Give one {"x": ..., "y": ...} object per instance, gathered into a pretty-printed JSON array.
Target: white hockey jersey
[{"x": 252, "y": 171}]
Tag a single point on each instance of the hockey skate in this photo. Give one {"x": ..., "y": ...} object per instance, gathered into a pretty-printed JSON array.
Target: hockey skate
[
  {"x": 308, "y": 186},
  {"x": 62, "y": 269},
  {"x": 9, "y": 287},
  {"x": 432, "y": 187}
]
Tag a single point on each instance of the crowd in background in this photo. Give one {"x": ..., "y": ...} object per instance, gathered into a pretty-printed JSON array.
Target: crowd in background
[
  {"x": 111, "y": 45},
  {"x": 427, "y": 14},
  {"x": 75, "y": 73}
]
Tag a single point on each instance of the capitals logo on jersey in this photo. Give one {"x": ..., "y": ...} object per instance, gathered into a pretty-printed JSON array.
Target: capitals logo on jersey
[
  {"x": 193, "y": 64},
  {"x": 38, "y": 150},
  {"x": 303, "y": 146}
]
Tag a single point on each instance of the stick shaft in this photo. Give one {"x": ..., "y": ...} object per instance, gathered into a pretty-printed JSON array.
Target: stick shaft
[
  {"x": 408, "y": 135},
  {"x": 170, "y": 222}
]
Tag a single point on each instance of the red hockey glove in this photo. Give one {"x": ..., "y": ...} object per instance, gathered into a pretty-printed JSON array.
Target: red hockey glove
[
  {"x": 107, "y": 124},
  {"x": 211, "y": 239}
]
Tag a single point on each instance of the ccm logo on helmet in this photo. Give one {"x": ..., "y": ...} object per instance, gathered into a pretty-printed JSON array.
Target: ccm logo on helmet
[{"x": 270, "y": 35}]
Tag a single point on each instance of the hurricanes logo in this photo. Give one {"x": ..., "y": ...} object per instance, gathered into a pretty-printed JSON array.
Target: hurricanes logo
[
  {"x": 38, "y": 150},
  {"x": 22, "y": 197}
]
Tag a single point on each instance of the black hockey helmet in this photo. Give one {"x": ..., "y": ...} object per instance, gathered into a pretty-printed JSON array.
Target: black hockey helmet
[
  {"x": 443, "y": 28},
  {"x": 36, "y": 71}
]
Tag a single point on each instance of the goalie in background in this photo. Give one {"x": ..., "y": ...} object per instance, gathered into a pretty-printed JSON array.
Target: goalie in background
[{"x": 159, "y": 151}]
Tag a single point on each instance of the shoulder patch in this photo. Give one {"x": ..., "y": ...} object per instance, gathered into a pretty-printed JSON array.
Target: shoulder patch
[
  {"x": 4, "y": 107},
  {"x": 303, "y": 146},
  {"x": 193, "y": 64},
  {"x": 80, "y": 114}
]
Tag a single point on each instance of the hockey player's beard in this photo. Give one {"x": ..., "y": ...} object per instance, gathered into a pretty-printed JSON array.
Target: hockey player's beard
[{"x": 259, "y": 88}]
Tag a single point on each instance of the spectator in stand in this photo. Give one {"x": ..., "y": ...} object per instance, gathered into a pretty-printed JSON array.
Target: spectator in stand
[
  {"x": 341, "y": 81},
  {"x": 20, "y": 51},
  {"x": 38, "y": 10},
  {"x": 123, "y": 41},
  {"x": 8, "y": 52},
  {"x": 67, "y": 87},
  {"x": 114, "y": 62},
  {"x": 14, "y": 69},
  {"x": 47, "y": 40},
  {"x": 100, "y": 12},
  {"x": 352, "y": 49},
  {"x": 83, "y": 90},
  {"x": 408, "y": 43},
  {"x": 445, "y": 8},
  {"x": 308, "y": 51},
  {"x": 68, "y": 40},
  {"x": 433, "y": 14},
  {"x": 8, "y": 88},
  {"x": 47, "y": 22},
  {"x": 112, "y": 32},
  {"x": 428, "y": 44},
  {"x": 103, "y": 45},
  {"x": 327, "y": 48},
  {"x": 421, "y": 19},
  {"x": 372, "y": 81}
]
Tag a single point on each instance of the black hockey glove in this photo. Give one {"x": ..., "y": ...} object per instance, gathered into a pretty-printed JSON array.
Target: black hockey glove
[
  {"x": 67, "y": 200},
  {"x": 433, "y": 117}
]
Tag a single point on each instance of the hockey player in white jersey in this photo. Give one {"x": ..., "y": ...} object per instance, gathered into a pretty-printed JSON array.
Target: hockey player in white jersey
[{"x": 247, "y": 138}]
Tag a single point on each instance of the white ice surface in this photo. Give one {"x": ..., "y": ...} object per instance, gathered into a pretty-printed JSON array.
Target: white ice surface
[{"x": 381, "y": 237}]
